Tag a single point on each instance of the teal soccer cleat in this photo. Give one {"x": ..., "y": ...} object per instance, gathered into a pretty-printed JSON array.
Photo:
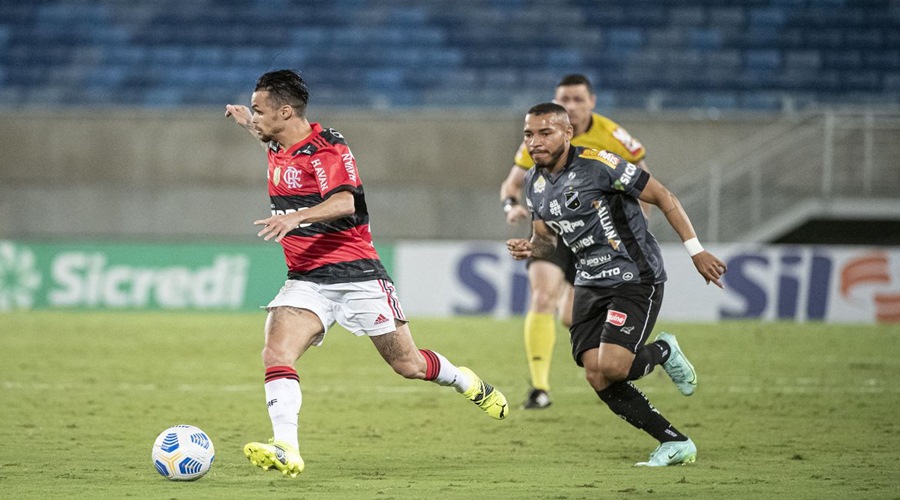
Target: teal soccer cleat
[
  {"x": 680, "y": 370},
  {"x": 671, "y": 453}
]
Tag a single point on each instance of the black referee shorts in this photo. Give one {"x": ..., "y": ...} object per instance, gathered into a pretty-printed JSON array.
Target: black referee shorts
[
  {"x": 624, "y": 315},
  {"x": 562, "y": 258}
]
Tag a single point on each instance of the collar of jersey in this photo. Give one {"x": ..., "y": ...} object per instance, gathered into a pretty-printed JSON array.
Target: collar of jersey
[
  {"x": 291, "y": 151},
  {"x": 555, "y": 177}
]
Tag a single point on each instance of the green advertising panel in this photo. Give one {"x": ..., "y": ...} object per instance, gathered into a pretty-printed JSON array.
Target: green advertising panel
[{"x": 141, "y": 276}]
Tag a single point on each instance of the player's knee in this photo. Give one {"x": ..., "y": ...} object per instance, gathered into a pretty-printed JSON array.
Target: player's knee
[
  {"x": 596, "y": 379},
  {"x": 543, "y": 301},
  {"x": 274, "y": 356},
  {"x": 601, "y": 376}
]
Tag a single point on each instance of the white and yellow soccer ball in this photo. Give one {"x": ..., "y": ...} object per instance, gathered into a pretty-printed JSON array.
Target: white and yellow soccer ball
[{"x": 183, "y": 453}]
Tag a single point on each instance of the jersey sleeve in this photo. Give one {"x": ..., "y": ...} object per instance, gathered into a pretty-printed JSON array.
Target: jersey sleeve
[
  {"x": 634, "y": 150},
  {"x": 528, "y": 193},
  {"x": 618, "y": 174},
  {"x": 335, "y": 170},
  {"x": 613, "y": 137}
]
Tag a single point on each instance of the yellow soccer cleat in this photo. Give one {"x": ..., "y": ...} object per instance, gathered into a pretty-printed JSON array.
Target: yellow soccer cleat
[
  {"x": 278, "y": 454},
  {"x": 492, "y": 401}
]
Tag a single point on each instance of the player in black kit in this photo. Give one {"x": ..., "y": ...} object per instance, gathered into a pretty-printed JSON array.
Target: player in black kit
[{"x": 590, "y": 199}]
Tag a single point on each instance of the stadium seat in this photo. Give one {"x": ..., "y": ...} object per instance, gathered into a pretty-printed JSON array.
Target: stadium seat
[{"x": 693, "y": 53}]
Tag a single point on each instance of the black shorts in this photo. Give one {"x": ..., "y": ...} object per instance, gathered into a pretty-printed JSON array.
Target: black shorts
[
  {"x": 562, "y": 258},
  {"x": 624, "y": 315}
]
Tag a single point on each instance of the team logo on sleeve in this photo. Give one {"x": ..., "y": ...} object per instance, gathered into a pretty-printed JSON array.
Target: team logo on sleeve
[
  {"x": 572, "y": 201},
  {"x": 349, "y": 165},
  {"x": 622, "y": 182}
]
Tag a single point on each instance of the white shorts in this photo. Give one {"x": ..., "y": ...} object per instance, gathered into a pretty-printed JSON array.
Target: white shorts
[{"x": 363, "y": 307}]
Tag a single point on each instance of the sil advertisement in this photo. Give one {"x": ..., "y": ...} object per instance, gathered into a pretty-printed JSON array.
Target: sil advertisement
[{"x": 763, "y": 282}]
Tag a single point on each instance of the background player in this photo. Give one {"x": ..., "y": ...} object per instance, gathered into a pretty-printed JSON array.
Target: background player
[
  {"x": 320, "y": 218},
  {"x": 589, "y": 198},
  {"x": 551, "y": 279}
]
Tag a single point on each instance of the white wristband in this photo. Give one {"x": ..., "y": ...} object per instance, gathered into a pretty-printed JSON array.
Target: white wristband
[{"x": 693, "y": 246}]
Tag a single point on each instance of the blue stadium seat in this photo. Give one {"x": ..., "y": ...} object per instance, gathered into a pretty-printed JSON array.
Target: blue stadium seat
[
  {"x": 687, "y": 15},
  {"x": 762, "y": 59},
  {"x": 625, "y": 39},
  {"x": 560, "y": 59},
  {"x": 885, "y": 60},
  {"x": 860, "y": 81},
  {"x": 864, "y": 39},
  {"x": 727, "y": 19},
  {"x": 843, "y": 60},
  {"x": 705, "y": 38},
  {"x": 825, "y": 39},
  {"x": 767, "y": 16},
  {"x": 892, "y": 81},
  {"x": 686, "y": 53}
]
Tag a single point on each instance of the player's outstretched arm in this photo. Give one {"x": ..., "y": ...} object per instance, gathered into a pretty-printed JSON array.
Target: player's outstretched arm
[
  {"x": 242, "y": 116},
  {"x": 708, "y": 265}
]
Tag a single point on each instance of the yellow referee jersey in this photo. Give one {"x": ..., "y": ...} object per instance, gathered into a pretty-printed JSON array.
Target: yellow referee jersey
[{"x": 602, "y": 134}]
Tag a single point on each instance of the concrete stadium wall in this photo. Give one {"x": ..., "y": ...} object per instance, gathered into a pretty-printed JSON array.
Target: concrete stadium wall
[{"x": 191, "y": 175}]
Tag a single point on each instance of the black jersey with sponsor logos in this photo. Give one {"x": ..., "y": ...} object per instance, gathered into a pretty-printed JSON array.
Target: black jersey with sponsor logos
[
  {"x": 592, "y": 205},
  {"x": 303, "y": 176}
]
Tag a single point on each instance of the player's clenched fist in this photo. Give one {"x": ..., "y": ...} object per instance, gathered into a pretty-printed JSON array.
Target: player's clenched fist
[{"x": 519, "y": 248}]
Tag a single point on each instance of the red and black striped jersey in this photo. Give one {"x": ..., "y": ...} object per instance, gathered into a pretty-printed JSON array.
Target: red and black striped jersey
[{"x": 303, "y": 176}]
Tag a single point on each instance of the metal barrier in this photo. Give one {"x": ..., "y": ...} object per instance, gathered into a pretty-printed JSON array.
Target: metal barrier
[{"x": 831, "y": 164}]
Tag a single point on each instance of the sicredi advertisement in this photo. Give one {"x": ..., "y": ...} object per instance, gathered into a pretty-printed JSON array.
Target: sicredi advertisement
[{"x": 138, "y": 276}]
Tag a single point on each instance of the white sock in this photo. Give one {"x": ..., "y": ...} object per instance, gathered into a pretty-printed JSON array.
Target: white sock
[
  {"x": 447, "y": 372},
  {"x": 283, "y": 398}
]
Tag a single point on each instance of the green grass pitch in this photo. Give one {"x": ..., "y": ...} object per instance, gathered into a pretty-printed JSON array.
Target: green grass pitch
[{"x": 782, "y": 411}]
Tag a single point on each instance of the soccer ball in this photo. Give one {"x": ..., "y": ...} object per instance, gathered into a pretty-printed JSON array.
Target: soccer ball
[{"x": 183, "y": 453}]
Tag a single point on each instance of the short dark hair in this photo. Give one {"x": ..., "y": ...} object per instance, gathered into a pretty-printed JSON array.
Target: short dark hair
[
  {"x": 547, "y": 108},
  {"x": 576, "y": 79},
  {"x": 285, "y": 87}
]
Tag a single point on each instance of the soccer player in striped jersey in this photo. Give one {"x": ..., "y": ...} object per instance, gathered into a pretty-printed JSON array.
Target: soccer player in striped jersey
[
  {"x": 589, "y": 200},
  {"x": 320, "y": 218},
  {"x": 551, "y": 278}
]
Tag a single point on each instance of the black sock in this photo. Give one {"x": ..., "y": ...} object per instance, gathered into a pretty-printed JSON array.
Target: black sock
[
  {"x": 626, "y": 401},
  {"x": 647, "y": 358}
]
